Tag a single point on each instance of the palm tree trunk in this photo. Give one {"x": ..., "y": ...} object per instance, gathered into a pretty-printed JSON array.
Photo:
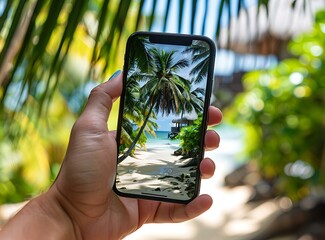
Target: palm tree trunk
[{"x": 127, "y": 153}]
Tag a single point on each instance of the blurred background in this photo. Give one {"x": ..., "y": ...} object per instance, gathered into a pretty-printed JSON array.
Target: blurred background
[{"x": 269, "y": 83}]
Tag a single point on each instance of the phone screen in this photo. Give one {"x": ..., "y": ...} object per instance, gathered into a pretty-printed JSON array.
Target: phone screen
[{"x": 162, "y": 119}]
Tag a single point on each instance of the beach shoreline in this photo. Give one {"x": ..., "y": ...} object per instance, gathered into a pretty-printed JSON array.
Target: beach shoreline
[{"x": 156, "y": 171}]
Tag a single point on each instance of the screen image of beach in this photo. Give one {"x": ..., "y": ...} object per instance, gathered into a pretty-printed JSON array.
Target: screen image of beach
[{"x": 161, "y": 140}]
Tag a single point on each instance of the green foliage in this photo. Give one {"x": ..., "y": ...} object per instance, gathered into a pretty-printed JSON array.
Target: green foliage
[
  {"x": 190, "y": 137},
  {"x": 28, "y": 165},
  {"x": 37, "y": 37},
  {"x": 162, "y": 91},
  {"x": 50, "y": 51},
  {"x": 283, "y": 110}
]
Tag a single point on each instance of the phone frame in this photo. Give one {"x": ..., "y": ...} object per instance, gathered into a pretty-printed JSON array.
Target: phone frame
[{"x": 172, "y": 39}]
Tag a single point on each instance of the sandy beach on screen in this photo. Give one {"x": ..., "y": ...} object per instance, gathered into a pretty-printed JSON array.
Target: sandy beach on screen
[{"x": 156, "y": 171}]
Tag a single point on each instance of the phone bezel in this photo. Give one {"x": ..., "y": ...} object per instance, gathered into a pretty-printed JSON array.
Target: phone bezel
[{"x": 173, "y": 39}]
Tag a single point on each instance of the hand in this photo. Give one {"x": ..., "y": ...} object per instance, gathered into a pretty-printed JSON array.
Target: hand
[{"x": 82, "y": 198}]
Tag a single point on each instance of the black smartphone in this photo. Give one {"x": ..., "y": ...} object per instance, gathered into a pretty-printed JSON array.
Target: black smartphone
[{"x": 167, "y": 85}]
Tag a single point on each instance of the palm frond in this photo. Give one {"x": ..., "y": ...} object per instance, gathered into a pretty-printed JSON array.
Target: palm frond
[
  {"x": 77, "y": 11},
  {"x": 152, "y": 15},
  {"x": 180, "y": 15},
  {"x": 206, "y": 8},
  {"x": 111, "y": 25},
  {"x": 52, "y": 24},
  {"x": 180, "y": 64},
  {"x": 5, "y": 13},
  {"x": 139, "y": 15},
  {"x": 116, "y": 29},
  {"x": 102, "y": 15},
  {"x": 193, "y": 15},
  {"x": 220, "y": 11},
  {"x": 14, "y": 26},
  {"x": 166, "y": 15},
  {"x": 26, "y": 44}
]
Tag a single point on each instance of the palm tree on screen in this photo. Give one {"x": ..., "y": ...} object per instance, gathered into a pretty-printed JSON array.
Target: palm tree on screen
[
  {"x": 133, "y": 111},
  {"x": 194, "y": 101},
  {"x": 200, "y": 53},
  {"x": 162, "y": 90}
]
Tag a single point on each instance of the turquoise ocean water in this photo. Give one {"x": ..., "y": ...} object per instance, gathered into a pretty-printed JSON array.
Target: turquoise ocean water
[{"x": 161, "y": 139}]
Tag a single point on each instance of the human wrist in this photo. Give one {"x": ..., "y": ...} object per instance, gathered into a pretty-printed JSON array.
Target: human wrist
[{"x": 42, "y": 218}]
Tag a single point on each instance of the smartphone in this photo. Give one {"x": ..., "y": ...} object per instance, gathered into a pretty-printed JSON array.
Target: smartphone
[{"x": 167, "y": 85}]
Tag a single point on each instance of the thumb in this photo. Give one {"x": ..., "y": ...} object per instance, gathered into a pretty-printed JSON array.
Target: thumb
[{"x": 100, "y": 101}]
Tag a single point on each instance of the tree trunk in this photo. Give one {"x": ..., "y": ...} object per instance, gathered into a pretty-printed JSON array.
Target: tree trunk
[{"x": 127, "y": 153}]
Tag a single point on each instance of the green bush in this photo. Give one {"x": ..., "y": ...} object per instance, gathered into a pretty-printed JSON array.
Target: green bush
[
  {"x": 283, "y": 111},
  {"x": 190, "y": 138}
]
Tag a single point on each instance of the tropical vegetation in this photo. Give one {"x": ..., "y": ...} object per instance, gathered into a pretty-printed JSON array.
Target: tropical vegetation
[
  {"x": 190, "y": 138},
  {"x": 52, "y": 53},
  {"x": 282, "y": 110},
  {"x": 164, "y": 90}
]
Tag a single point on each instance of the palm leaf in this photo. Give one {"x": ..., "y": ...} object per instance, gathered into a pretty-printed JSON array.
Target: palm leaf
[
  {"x": 180, "y": 15},
  {"x": 206, "y": 8},
  {"x": 44, "y": 37},
  {"x": 220, "y": 10},
  {"x": 25, "y": 45},
  {"x": 200, "y": 70},
  {"x": 33, "y": 64},
  {"x": 14, "y": 26},
  {"x": 193, "y": 15},
  {"x": 115, "y": 31},
  {"x": 182, "y": 63},
  {"x": 4, "y": 15},
  {"x": 166, "y": 15},
  {"x": 77, "y": 11},
  {"x": 139, "y": 15},
  {"x": 152, "y": 15},
  {"x": 102, "y": 15}
]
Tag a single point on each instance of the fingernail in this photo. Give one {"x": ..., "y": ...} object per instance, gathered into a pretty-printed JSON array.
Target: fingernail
[{"x": 115, "y": 74}]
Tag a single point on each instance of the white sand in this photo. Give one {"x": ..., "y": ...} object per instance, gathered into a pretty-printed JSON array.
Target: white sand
[{"x": 156, "y": 171}]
